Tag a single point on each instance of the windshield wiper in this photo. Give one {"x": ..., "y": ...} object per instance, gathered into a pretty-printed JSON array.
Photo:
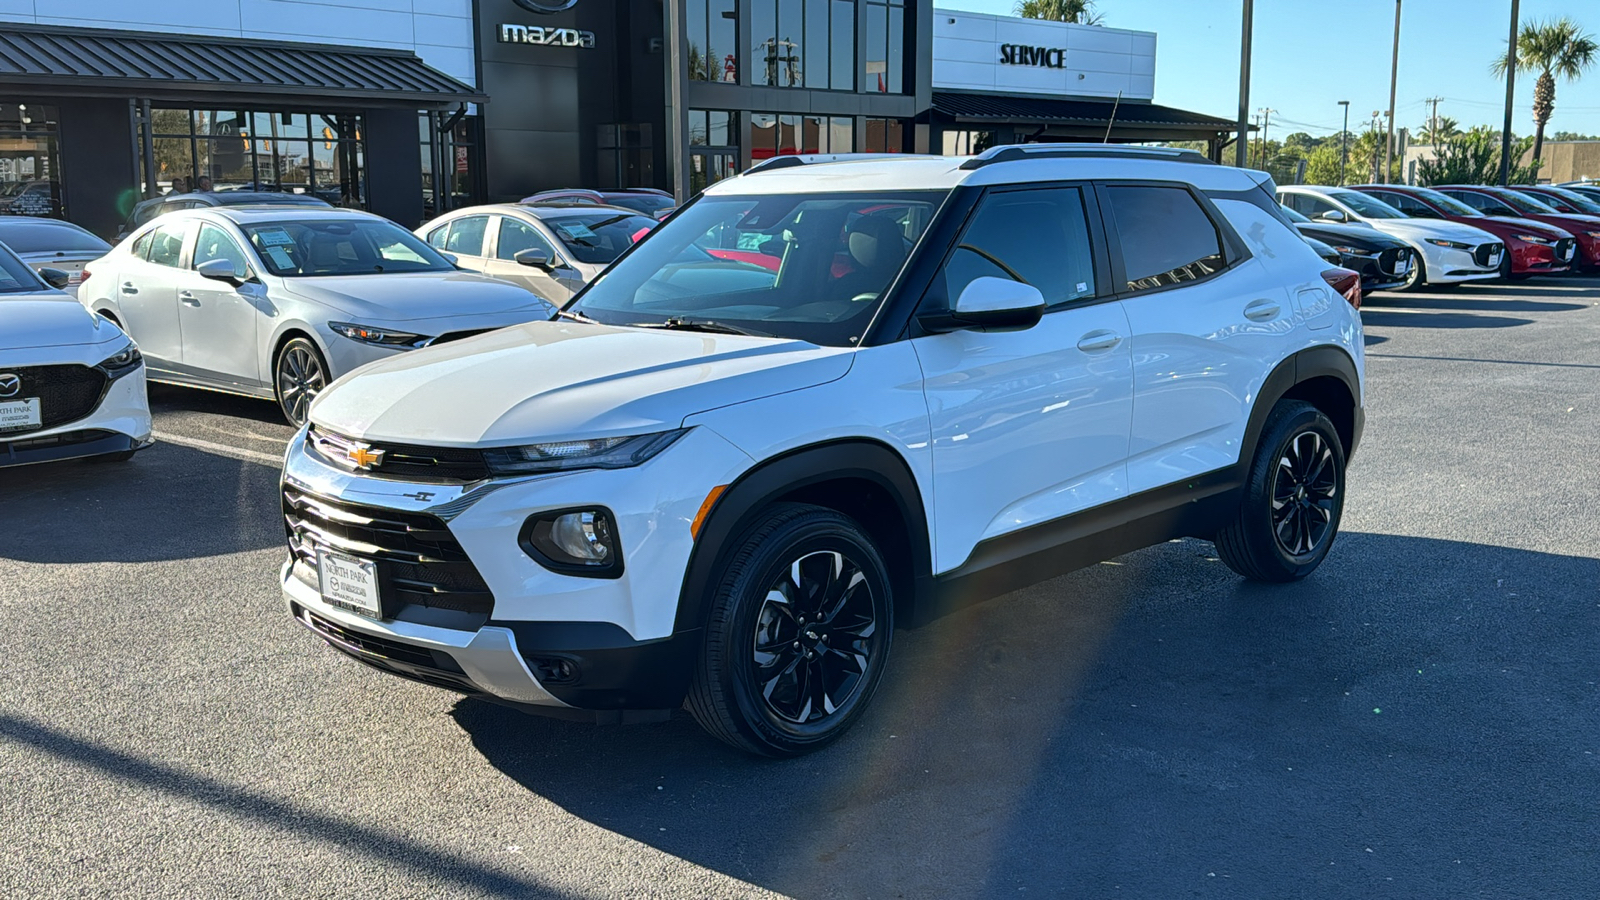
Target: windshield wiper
[
  {"x": 577, "y": 317},
  {"x": 679, "y": 323}
]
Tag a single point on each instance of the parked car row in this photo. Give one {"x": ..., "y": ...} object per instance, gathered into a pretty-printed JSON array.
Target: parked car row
[{"x": 1456, "y": 233}]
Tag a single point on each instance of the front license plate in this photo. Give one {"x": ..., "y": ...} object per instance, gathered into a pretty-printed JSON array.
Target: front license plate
[
  {"x": 349, "y": 582},
  {"x": 19, "y": 414},
  {"x": 1402, "y": 267}
]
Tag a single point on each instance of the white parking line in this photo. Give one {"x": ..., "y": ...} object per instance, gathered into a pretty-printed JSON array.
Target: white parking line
[{"x": 255, "y": 456}]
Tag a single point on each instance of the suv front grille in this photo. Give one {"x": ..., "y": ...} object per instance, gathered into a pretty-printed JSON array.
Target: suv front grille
[
  {"x": 419, "y": 560},
  {"x": 66, "y": 393},
  {"x": 1484, "y": 253},
  {"x": 403, "y": 462}
]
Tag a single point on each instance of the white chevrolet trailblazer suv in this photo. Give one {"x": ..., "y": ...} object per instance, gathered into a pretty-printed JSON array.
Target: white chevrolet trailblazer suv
[{"x": 827, "y": 398}]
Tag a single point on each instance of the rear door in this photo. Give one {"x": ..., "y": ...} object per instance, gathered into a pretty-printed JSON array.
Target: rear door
[
  {"x": 1209, "y": 322},
  {"x": 219, "y": 319},
  {"x": 465, "y": 241},
  {"x": 147, "y": 295}
]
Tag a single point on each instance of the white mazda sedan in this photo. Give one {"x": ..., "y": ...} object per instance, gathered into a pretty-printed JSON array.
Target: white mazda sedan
[
  {"x": 276, "y": 303},
  {"x": 71, "y": 384}
]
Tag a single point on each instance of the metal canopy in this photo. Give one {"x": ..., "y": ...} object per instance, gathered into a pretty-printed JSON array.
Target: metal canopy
[
  {"x": 115, "y": 63},
  {"x": 1010, "y": 109}
]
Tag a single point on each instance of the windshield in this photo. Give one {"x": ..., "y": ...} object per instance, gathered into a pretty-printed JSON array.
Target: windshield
[
  {"x": 15, "y": 276},
  {"x": 1523, "y": 203},
  {"x": 39, "y": 237},
  {"x": 1449, "y": 204},
  {"x": 599, "y": 237},
  {"x": 1575, "y": 200},
  {"x": 357, "y": 246},
  {"x": 1367, "y": 207},
  {"x": 649, "y": 204},
  {"x": 1294, "y": 215},
  {"x": 808, "y": 266}
]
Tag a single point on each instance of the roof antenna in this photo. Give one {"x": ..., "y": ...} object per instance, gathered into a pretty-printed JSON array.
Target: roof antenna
[{"x": 1113, "y": 120}]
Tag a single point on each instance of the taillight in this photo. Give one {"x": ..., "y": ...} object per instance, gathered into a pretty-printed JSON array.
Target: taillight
[
  {"x": 1346, "y": 282},
  {"x": 84, "y": 275}
]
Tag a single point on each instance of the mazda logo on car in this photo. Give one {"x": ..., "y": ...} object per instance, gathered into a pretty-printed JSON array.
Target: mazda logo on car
[
  {"x": 10, "y": 385},
  {"x": 546, "y": 6}
]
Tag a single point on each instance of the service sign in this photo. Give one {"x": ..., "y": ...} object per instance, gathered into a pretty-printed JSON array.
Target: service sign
[{"x": 1011, "y": 55}]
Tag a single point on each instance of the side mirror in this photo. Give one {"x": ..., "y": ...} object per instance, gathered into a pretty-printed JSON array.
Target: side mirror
[
  {"x": 1332, "y": 215},
  {"x": 451, "y": 258},
  {"x": 55, "y": 277},
  {"x": 218, "y": 270},
  {"x": 537, "y": 257},
  {"x": 990, "y": 304}
]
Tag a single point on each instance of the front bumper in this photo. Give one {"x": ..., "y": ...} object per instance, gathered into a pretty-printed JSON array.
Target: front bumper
[
  {"x": 606, "y": 648},
  {"x": 1450, "y": 265},
  {"x": 118, "y": 423}
]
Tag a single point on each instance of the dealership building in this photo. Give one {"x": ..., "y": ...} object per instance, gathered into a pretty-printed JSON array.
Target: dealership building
[{"x": 448, "y": 103}]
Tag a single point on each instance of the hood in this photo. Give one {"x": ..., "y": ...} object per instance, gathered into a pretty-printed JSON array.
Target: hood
[
  {"x": 1422, "y": 229},
  {"x": 1572, "y": 222},
  {"x": 403, "y": 296},
  {"x": 49, "y": 319},
  {"x": 1358, "y": 236},
  {"x": 1530, "y": 226},
  {"x": 565, "y": 380}
]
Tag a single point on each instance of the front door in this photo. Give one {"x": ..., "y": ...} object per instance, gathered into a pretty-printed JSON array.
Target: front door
[
  {"x": 1027, "y": 426},
  {"x": 556, "y": 284},
  {"x": 219, "y": 318}
]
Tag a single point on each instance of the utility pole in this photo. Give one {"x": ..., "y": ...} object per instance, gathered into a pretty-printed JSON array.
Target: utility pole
[
  {"x": 1344, "y": 141},
  {"x": 1256, "y": 150},
  {"x": 1433, "y": 120},
  {"x": 1394, "y": 74},
  {"x": 1511, "y": 83},
  {"x": 1240, "y": 151},
  {"x": 1372, "y": 130}
]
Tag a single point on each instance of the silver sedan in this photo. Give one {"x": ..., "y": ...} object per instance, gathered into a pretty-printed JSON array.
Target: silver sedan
[{"x": 276, "y": 303}]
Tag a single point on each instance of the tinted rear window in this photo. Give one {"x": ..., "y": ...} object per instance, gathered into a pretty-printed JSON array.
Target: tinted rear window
[
  {"x": 1166, "y": 236},
  {"x": 39, "y": 237}
]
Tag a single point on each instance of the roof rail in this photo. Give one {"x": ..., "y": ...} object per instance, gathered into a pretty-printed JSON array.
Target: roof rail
[
  {"x": 810, "y": 159},
  {"x": 1014, "y": 152}
]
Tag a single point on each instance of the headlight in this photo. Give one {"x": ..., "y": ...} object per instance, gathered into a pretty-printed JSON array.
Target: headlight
[
  {"x": 383, "y": 337},
  {"x": 1593, "y": 234},
  {"x": 574, "y": 542},
  {"x": 1352, "y": 251},
  {"x": 124, "y": 361},
  {"x": 598, "y": 453},
  {"x": 1454, "y": 245},
  {"x": 1533, "y": 239}
]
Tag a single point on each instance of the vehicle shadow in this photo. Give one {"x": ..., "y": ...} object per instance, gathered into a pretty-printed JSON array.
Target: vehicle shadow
[
  {"x": 167, "y": 398},
  {"x": 1413, "y": 720},
  {"x": 169, "y": 502},
  {"x": 1371, "y": 317},
  {"x": 1373, "y": 340}
]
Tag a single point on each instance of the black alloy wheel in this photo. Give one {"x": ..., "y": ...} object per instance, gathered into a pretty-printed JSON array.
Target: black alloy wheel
[
  {"x": 1292, "y": 499},
  {"x": 798, "y": 634},
  {"x": 298, "y": 377}
]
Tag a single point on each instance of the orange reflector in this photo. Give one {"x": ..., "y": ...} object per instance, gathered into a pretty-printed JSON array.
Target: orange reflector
[{"x": 705, "y": 510}]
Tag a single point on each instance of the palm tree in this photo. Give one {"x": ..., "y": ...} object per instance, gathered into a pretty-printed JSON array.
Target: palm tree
[
  {"x": 1448, "y": 128},
  {"x": 1558, "y": 48},
  {"x": 1079, "y": 11}
]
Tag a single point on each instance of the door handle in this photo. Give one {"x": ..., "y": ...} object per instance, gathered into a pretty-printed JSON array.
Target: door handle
[
  {"x": 128, "y": 288},
  {"x": 188, "y": 298},
  {"x": 1096, "y": 341},
  {"x": 1262, "y": 310}
]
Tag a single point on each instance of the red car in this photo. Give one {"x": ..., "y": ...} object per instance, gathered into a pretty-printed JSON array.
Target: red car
[
  {"x": 1532, "y": 248},
  {"x": 1562, "y": 200},
  {"x": 1499, "y": 201}
]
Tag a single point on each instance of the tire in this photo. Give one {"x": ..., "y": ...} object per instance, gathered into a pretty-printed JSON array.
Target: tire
[
  {"x": 1299, "y": 463},
  {"x": 1417, "y": 278},
  {"x": 1505, "y": 268},
  {"x": 299, "y": 373},
  {"x": 796, "y": 566}
]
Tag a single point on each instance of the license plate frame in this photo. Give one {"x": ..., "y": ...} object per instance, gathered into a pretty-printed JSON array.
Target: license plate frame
[
  {"x": 350, "y": 583},
  {"x": 21, "y": 414}
]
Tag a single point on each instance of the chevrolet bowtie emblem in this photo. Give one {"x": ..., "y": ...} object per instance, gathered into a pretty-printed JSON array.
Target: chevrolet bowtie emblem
[{"x": 363, "y": 456}]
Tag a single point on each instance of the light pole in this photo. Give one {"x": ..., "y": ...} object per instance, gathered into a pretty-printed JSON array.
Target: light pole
[
  {"x": 1394, "y": 73},
  {"x": 1344, "y": 141},
  {"x": 1241, "y": 151},
  {"x": 1511, "y": 82}
]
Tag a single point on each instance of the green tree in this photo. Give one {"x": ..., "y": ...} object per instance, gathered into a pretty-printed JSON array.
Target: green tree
[
  {"x": 1078, "y": 11},
  {"x": 1448, "y": 128},
  {"x": 1301, "y": 142},
  {"x": 1474, "y": 158},
  {"x": 1553, "y": 49},
  {"x": 1322, "y": 165}
]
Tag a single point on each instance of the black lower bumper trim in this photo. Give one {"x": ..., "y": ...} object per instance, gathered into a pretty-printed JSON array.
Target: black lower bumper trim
[
  {"x": 597, "y": 666},
  {"x": 22, "y": 451}
]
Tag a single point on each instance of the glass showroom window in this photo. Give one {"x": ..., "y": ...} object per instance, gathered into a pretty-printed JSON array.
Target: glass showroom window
[
  {"x": 885, "y": 45},
  {"x": 30, "y": 170},
  {"x": 785, "y": 135},
  {"x": 713, "y": 147},
  {"x": 804, "y": 43},
  {"x": 713, "y": 40},
  {"x": 222, "y": 150},
  {"x": 884, "y": 136}
]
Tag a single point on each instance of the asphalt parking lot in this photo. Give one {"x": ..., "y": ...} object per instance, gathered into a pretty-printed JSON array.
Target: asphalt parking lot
[{"x": 1420, "y": 718}]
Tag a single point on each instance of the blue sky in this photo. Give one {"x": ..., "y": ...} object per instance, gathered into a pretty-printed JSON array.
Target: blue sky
[{"x": 1310, "y": 55}]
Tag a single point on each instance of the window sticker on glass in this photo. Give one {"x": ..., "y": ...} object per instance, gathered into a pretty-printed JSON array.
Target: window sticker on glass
[
  {"x": 280, "y": 257},
  {"x": 275, "y": 237},
  {"x": 575, "y": 231}
]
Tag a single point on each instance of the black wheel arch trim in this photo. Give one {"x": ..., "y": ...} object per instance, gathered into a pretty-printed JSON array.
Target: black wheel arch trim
[{"x": 790, "y": 473}]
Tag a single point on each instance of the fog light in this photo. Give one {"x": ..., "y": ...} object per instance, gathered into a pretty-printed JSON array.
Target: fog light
[{"x": 574, "y": 542}]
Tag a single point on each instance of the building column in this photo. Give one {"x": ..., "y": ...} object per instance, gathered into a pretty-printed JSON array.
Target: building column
[
  {"x": 99, "y": 173},
  {"x": 394, "y": 165}
]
